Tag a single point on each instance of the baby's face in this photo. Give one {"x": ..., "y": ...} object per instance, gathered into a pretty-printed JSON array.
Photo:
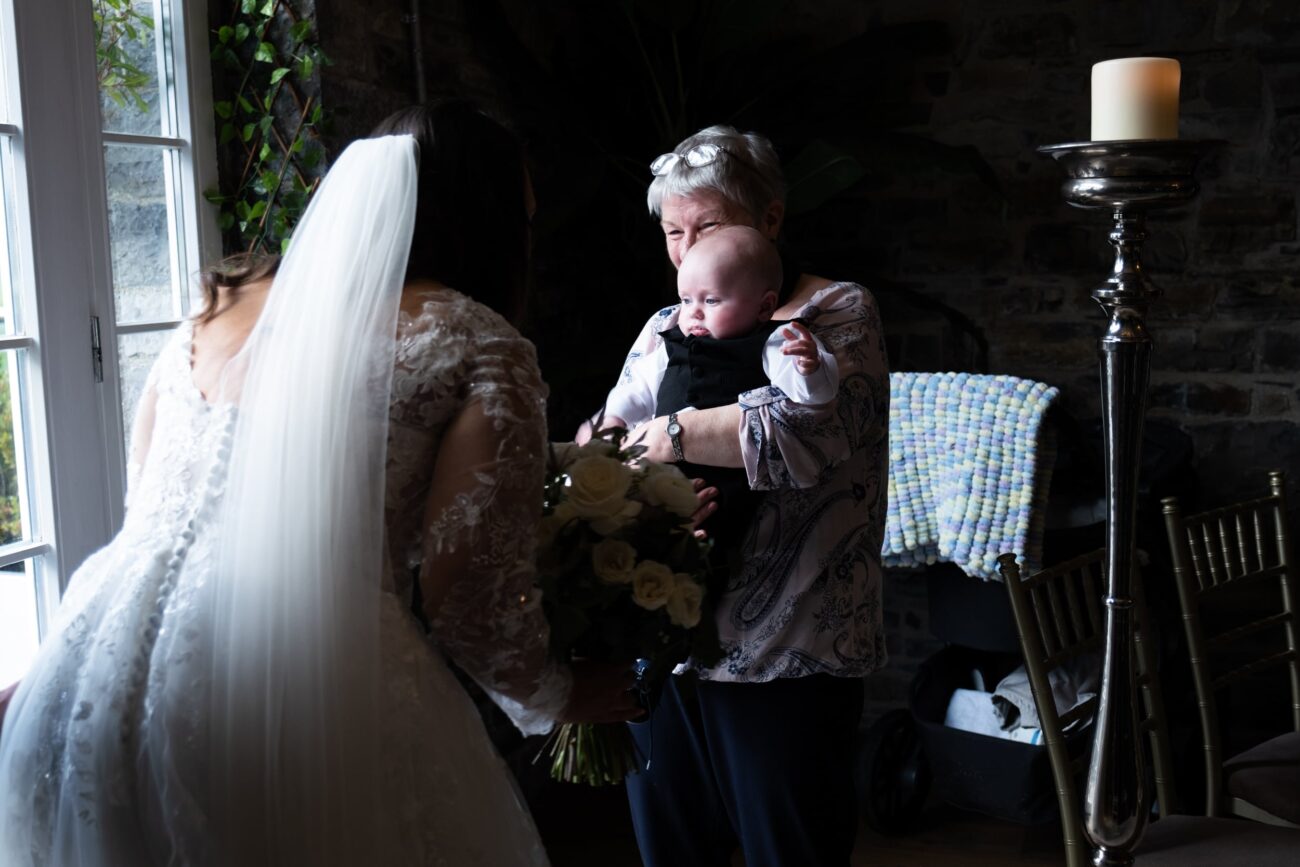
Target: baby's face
[{"x": 719, "y": 301}]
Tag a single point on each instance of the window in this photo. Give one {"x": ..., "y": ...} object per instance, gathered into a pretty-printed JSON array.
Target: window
[{"x": 105, "y": 145}]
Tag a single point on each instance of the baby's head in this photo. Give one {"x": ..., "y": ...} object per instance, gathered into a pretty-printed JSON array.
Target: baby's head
[{"x": 728, "y": 283}]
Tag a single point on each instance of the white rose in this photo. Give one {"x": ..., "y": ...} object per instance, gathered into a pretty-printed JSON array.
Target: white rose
[
  {"x": 685, "y": 601},
  {"x": 665, "y": 486},
  {"x": 613, "y": 523},
  {"x": 597, "y": 487},
  {"x": 652, "y": 584},
  {"x": 566, "y": 453},
  {"x": 612, "y": 561}
]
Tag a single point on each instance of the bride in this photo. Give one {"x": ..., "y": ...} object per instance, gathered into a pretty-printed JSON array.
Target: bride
[{"x": 236, "y": 678}]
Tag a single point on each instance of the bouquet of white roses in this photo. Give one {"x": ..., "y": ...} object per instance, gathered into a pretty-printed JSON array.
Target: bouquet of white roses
[{"x": 623, "y": 578}]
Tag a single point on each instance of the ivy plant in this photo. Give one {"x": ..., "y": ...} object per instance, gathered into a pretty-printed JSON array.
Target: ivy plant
[
  {"x": 270, "y": 120},
  {"x": 117, "y": 24}
]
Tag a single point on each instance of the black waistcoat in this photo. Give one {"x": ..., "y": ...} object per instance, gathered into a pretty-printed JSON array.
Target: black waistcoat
[{"x": 705, "y": 372}]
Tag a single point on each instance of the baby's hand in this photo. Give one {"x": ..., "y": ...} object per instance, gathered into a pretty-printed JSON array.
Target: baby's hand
[{"x": 799, "y": 343}]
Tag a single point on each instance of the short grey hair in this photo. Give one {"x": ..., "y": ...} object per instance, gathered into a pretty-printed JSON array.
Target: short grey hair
[{"x": 748, "y": 174}]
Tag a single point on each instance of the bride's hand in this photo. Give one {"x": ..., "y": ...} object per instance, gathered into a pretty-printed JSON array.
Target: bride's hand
[{"x": 602, "y": 693}]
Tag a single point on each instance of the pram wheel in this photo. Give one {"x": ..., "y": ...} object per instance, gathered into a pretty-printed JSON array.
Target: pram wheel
[{"x": 893, "y": 774}]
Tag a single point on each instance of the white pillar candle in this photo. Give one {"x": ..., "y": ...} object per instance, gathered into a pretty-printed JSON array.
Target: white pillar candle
[{"x": 1135, "y": 97}]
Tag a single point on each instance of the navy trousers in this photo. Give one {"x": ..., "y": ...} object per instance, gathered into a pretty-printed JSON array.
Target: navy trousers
[{"x": 766, "y": 766}]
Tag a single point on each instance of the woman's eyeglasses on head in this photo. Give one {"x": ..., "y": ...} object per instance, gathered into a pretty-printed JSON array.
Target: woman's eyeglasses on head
[{"x": 697, "y": 157}]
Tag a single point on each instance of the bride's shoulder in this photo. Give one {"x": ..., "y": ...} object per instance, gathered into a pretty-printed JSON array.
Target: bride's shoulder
[{"x": 444, "y": 327}]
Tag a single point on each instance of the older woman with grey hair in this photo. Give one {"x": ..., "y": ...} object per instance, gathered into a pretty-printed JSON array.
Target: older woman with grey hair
[{"x": 755, "y": 751}]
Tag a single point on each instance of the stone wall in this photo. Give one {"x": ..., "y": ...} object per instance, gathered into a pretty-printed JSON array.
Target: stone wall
[{"x": 958, "y": 223}]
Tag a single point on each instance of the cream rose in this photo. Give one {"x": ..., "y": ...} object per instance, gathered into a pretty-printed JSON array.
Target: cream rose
[
  {"x": 666, "y": 486},
  {"x": 652, "y": 584},
  {"x": 598, "y": 487},
  {"x": 685, "y": 600},
  {"x": 612, "y": 560}
]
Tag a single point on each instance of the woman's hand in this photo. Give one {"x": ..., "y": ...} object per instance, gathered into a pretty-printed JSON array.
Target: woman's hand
[
  {"x": 602, "y": 693},
  {"x": 654, "y": 436},
  {"x": 708, "y": 500}
]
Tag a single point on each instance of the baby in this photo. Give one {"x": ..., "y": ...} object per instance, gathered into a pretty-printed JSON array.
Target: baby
[{"x": 725, "y": 343}]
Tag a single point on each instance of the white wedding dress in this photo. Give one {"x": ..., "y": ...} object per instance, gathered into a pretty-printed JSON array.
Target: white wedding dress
[{"x": 105, "y": 757}]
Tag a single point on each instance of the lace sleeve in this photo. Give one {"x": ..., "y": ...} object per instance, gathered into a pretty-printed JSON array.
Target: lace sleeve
[
  {"x": 480, "y": 521},
  {"x": 791, "y": 445}
]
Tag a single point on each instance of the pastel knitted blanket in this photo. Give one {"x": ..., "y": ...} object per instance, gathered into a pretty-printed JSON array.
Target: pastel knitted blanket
[{"x": 970, "y": 461}]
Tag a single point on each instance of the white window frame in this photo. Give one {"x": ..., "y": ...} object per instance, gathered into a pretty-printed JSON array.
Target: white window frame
[{"x": 76, "y": 443}]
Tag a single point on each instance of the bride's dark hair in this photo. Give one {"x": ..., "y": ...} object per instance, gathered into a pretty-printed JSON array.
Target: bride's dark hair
[{"x": 471, "y": 225}]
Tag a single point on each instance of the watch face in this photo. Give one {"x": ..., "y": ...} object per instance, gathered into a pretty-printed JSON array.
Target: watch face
[{"x": 674, "y": 429}]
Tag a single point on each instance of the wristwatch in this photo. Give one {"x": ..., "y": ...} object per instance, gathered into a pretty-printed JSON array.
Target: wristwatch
[{"x": 674, "y": 431}]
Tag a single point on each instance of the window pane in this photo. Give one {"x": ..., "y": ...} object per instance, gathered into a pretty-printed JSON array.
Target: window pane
[
  {"x": 126, "y": 61},
  {"x": 18, "y": 624},
  {"x": 14, "y": 523},
  {"x": 4, "y": 83},
  {"x": 136, "y": 353},
  {"x": 141, "y": 214},
  {"x": 8, "y": 319}
]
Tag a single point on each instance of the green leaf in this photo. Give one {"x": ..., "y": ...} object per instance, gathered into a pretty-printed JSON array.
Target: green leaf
[
  {"x": 248, "y": 131},
  {"x": 264, "y": 152},
  {"x": 265, "y": 123},
  {"x": 296, "y": 147},
  {"x": 245, "y": 105},
  {"x": 227, "y": 133},
  {"x": 315, "y": 114},
  {"x": 241, "y": 32},
  {"x": 243, "y": 210},
  {"x": 225, "y": 220},
  {"x": 270, "y": 180},
  {"x": 305, "y": 67},
  {"x": 284, "y": 246},
  {"x": 247, "y": 6},
  {"x": 257, "y": 210},
  {"x": 299, "y": 31},
  {"x": 265, "y": 52},
  {"x": 214, "y": 196},
  {"x": 267, "y": 8},
  {"x": 223, "y": 109},
  {"x": 279, "y": 74}
]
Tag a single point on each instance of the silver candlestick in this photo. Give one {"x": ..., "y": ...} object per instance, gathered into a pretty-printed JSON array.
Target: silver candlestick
[{"x": 1129, "y": 178}]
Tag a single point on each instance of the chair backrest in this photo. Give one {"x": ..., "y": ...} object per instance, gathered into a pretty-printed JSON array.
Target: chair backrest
[
  {"x": 1060, "y": 618},
  {"x": 1215, "y": 555}
]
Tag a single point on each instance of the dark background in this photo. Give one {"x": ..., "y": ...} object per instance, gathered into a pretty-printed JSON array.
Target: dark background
[{"x": 908, "y": 129}]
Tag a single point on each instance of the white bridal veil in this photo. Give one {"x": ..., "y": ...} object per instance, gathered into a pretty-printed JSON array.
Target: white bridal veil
[{"x": 295, "y": 735}]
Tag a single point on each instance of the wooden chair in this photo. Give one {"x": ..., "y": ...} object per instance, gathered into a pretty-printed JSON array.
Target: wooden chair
[
  {"x": 1217, "y": 555},
  {"x": 1059, "y": 616}
]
